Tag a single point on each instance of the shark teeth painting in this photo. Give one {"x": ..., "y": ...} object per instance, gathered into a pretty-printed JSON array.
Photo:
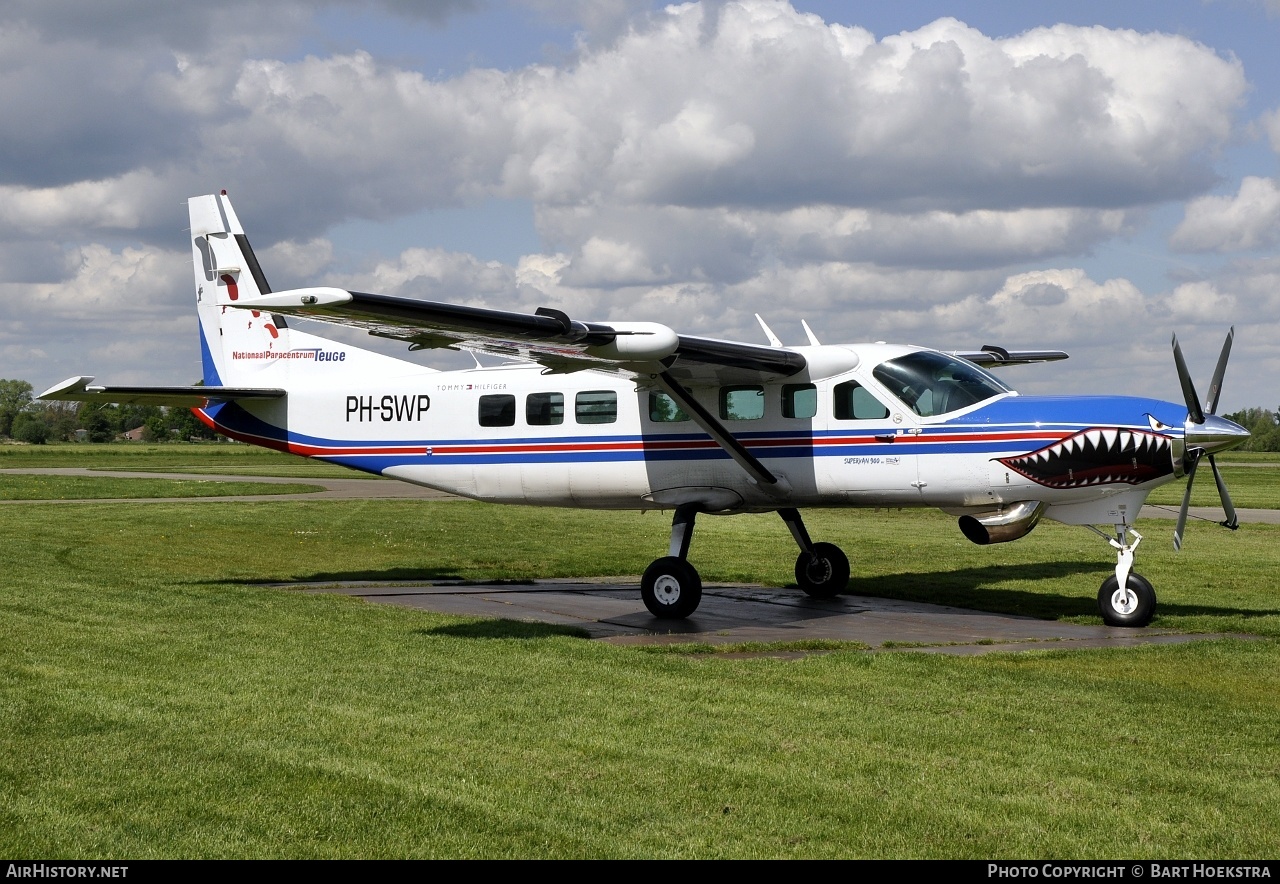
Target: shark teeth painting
[{"x": 1097, "y": 456}]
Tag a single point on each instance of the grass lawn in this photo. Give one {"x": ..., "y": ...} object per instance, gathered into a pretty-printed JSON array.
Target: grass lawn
[
  {"x": 1254, "y": 484},
  {"x": 173, "y": 457},
  {"x": 153, "y": 703},
  {"x": 20, "y": 487}
]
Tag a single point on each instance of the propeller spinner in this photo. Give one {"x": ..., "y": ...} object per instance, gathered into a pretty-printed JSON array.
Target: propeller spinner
[{"x": 1205, "y": 435}]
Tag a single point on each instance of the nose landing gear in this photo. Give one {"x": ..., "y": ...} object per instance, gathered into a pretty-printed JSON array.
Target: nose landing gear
[{"x": 1135, "y": 604}]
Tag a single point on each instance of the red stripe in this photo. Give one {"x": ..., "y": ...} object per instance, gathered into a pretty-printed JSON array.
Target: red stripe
[{"x": 306, "y": 450}]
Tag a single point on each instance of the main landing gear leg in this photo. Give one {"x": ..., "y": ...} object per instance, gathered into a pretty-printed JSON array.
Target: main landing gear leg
[
  {"x": 822, "y": 569},
  {"x": 1135, "y": 604},
  {"x": 671, "y": 587}
]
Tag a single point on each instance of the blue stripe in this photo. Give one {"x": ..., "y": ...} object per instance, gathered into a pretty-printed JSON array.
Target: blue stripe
[{"x": 1015, "y": 414}]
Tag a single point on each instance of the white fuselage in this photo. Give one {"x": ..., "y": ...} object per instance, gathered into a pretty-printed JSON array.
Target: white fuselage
[{"x": 514, "y": 434}]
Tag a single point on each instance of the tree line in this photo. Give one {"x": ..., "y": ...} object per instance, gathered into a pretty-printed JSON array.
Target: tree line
[
  {"x": 1263, "y": 424},
  {"x": 25, "y": 419}
]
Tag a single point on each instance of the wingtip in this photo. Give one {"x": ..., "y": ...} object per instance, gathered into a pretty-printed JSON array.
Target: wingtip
[{"x": 76, "y": 384}]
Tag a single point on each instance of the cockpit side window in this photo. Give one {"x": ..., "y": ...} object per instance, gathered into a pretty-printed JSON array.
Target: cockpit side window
[
  {"x": 931, "y": 383},
  {"x": 851, "y": 401}
]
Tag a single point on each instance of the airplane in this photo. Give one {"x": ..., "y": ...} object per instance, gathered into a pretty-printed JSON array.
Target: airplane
[{"x": 634, "y": 416}]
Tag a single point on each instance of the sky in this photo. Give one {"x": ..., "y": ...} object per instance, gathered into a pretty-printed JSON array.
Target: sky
[{"x": 1090, "y": 177}]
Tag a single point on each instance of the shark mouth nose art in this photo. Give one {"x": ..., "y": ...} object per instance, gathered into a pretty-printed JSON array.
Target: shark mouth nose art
[{"x": 1097, "y": 456}]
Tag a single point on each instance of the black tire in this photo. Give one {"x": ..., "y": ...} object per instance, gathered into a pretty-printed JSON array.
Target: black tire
[
  {"x": 825, "y": 574},
  {"x": 1135, "y": 609},
  {"x": 671, "y": 588}
]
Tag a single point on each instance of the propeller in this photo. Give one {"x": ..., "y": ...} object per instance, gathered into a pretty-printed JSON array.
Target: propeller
[{"x": 1205, "y": 434}]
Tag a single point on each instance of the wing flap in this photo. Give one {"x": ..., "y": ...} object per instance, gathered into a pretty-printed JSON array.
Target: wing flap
[{"x": 82, "y": 389}]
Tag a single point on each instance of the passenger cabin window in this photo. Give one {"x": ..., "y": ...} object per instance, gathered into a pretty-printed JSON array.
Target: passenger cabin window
[
  {"x": 663, "y": 409},
  {"x": 544, "y": 409},
  {"x": 596, "y": 407},
  {"x": 932, "y": 383},
  {"x": 799, "y": 401},
  {"x": 853, "y": 402},
  {"x": 498, "y": 410},
  {"x": 745, "y": 403}
]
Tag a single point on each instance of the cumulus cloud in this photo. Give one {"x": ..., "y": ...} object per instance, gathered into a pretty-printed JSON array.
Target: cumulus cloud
[
  {"x": 104, "y": 285},
  {"x": 978, "y": 238},
  {"x": 603, "y": 20},
  {"x": 1248, "y": 220},
  {"x": 1065, "y": 301},
  {"x": 756, "y": 104},
  {"x": 747, "y": 104},
  {"x": 693, "y": 164},
  {"x": 75, "y": 112},
  {"x": 1200, "y": 302},
  {"x": 708, "y": 139},
  {"x": 127, "y": 310},
  {"x": 438, "y": 275},
  {"x": 229, "y": 24},
  {"x": 1271, "y": 124},
  {"x": 114, "y": 204}
]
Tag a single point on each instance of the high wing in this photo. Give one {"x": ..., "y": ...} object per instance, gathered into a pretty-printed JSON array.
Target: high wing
[
  {"x": 550, "y": 337},
  {"x": 82, "y": 389},
  {"x": 547, "y": 336},
  {"x": 994, "y": 357}
]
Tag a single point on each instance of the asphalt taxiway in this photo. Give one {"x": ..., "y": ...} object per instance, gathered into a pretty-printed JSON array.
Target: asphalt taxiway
[{"x": 733, "y": 614}]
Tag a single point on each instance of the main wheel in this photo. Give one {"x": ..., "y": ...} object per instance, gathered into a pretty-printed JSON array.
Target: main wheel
[
  {"x": 1134, "y": 606},
  {"x": 671, "y": 588},
  {"x": 825, "y": 574}
]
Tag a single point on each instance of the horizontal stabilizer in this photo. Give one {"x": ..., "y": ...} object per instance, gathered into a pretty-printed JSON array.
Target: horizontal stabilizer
[{"x": 78, "y": 389}]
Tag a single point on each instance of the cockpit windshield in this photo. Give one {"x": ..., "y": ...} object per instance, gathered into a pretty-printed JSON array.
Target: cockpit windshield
[{"x": 932, "y": 383}]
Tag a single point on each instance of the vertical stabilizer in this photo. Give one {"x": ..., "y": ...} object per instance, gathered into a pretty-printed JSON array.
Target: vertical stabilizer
[
  {"x": 226, "y": 270},
  {"x": 243, "y": 347}
]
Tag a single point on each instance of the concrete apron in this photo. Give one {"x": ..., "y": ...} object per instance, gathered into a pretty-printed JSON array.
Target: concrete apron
[{"x": 736, "y": 613}]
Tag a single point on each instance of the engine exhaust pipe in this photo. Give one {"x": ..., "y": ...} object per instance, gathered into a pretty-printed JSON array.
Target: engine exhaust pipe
[{"x": 1010, "y": 523}]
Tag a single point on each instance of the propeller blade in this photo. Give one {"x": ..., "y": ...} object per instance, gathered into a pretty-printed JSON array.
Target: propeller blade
[
  {"x": 1231, "y": 521},
  {"x": 1188, "y": 388},
  {"x": 1215, "y": 386},
  {"x": 1186, "y": 502}
]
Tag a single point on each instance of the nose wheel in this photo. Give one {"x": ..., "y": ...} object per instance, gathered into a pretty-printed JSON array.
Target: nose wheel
[{"x": 1135, "y": 603}]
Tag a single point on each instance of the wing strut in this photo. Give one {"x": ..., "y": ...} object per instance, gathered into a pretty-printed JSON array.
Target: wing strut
[{"x": 716, "y": 430}]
